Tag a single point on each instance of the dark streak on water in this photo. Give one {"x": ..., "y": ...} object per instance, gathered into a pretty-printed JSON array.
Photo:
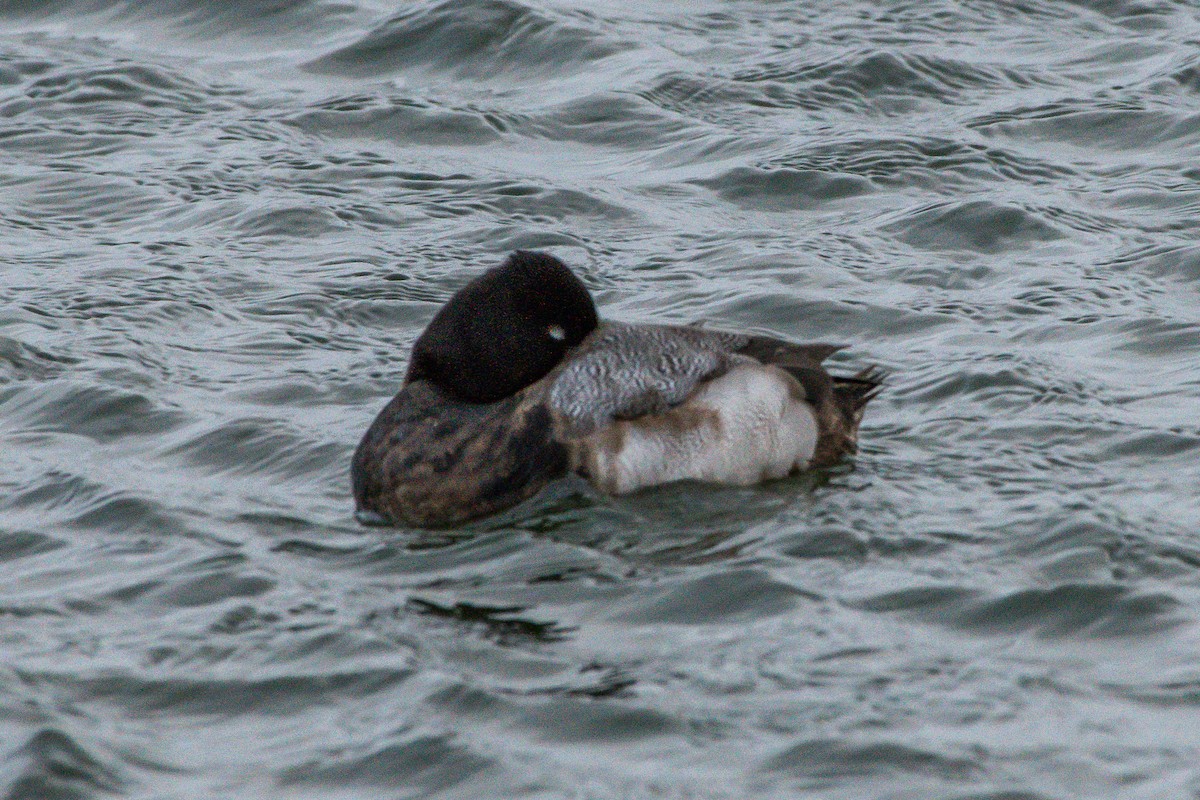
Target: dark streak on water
[{"x": 223, "y": 224}]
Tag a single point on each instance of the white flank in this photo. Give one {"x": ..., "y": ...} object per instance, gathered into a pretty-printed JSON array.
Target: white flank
[{"x": 747, "y": 426}]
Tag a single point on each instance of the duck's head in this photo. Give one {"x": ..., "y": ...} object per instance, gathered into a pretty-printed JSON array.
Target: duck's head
[{"x": 504, "y": 330}]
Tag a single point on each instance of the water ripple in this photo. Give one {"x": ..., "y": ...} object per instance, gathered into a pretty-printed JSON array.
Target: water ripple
[
  {"x": 976, "y": 225},
  {"x": 1065, "y": 610},
  {"x": 55, "y": 765},
  {"x": 427, "y": 764},
  {"x": 101, "y": 413},
  {"x": 477, "y": 39},
  {"x": 225, "y": 224},
  {"x": 258, "y": 446}
]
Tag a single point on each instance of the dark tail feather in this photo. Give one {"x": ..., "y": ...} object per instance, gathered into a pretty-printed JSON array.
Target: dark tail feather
[{"x": 852, "y": 393}]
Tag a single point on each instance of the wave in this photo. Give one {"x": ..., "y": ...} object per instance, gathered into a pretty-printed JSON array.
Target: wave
[{"x": 478, "y": 39}]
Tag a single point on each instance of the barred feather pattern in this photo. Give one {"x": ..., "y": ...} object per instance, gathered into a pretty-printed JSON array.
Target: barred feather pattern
[{"x": 625, "y": 371}]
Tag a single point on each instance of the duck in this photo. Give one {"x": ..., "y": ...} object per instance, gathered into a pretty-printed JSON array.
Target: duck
[{"x": 517, "y": 382}]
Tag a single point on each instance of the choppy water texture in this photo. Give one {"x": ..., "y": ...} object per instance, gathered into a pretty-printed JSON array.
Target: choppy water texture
[{"x": 223, "y": 224}]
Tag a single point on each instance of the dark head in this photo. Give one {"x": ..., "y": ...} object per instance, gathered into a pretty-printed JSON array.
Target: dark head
[{"x": 505, "y": 329}]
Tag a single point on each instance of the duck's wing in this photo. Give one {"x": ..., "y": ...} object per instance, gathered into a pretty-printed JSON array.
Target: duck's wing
[
  {"x": 625, "y": 371},
  {"x": 801, "y": 361},
  {"x": 786, "y": 354}
]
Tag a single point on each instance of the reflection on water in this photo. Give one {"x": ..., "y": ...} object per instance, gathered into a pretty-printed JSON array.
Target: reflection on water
[{"x": 224, "y": 225}]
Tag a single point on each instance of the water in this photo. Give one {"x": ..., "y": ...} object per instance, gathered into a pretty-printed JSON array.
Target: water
[{"x": 222, "y": 226}]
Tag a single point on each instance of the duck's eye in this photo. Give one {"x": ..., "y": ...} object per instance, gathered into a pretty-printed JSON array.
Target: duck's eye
[{"x": 557, "y": 333}]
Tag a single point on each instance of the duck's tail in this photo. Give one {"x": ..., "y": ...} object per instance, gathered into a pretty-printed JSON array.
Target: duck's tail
[{"x": 852, "y": 393}]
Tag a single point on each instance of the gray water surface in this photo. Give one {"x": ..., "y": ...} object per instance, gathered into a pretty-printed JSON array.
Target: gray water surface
[{"x": 223, "y": 224}]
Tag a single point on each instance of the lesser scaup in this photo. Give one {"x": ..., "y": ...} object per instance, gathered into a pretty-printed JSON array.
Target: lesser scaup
[{"x": 516, "y": 382}]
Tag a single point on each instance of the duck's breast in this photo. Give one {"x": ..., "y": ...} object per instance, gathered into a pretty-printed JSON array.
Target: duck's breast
[
  {"x": 750, "y": 424},
  {"x": 431, "y": 460}
]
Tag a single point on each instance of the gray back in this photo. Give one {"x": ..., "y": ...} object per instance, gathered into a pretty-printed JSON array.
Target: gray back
[{"x": 624, "y": 371}]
